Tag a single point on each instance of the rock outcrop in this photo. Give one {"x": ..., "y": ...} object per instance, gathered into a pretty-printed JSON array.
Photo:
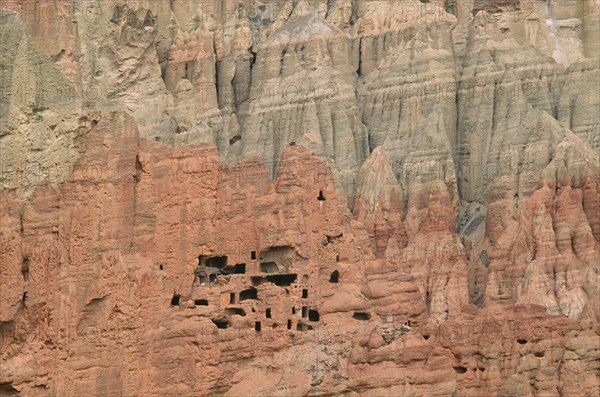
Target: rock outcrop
[{"x": 308, "y": 197}]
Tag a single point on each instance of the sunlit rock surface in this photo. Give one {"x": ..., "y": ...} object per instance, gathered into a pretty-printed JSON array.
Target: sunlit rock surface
[{"x": 296, "y": 198}]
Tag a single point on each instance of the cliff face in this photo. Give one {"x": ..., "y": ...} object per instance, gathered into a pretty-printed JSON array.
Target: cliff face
[{"x": 282, "y": 198}]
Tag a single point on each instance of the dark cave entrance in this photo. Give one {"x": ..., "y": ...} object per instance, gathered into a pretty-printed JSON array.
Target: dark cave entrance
[
  {"x": 221, "y": 324},
  {"x": 282, "y": 280},
  {"x": 250, "y": 293},
  {"x": 239, "y": 268},
  {"x": 335, "y": 276},
  {"x": 235, "y": 310},
  {"x": 361, "y": 316}
]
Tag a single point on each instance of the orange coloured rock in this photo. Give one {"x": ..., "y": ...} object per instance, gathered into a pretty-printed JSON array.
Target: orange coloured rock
[{"x": 301, "y": 198}]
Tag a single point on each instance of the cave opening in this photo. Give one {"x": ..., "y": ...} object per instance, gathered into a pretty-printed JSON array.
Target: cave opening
[
  {"x": 269, "y": 267},
  {"x": 268, "y": 313},
  {"x": 201, "y": 302},
  {"x": 250, "y": 293},
  {"x": 362, "y": 316},
  {"x": 208, "y": 278},
  {"x": 257, "y": 326},
  {"x": 460, "y": 369},
  {"x": 239, "y": 268},
  {"x": 304, "y": 293},
  {"x": 252, "y": 255},
  {"x": 219, "y": 262},
  {"x": 335, "y": 277},
  {"x": 232, "y": 298},
  {"x": 277, "y": 259},
  {"x": 25, "y": 268},
  {"x": 282, "y": 280},
  {"x": 313, "y": 315},
  {"x": 215, "y": 262},
  {"x": 289, "y": 324},
  {"x": 303, "y": 327},
  {"x": 304, "y": 311},
  {"x": 175, "y": 300},
  {"x": 235, "y": 310},
  {"x": 221, "y": 324},
  {"x": 321, "y": 197},
  {"x": 7, "y": 389}
]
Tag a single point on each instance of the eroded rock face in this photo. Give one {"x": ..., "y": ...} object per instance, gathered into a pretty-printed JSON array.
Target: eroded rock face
[{"x": 280, "y": 198}]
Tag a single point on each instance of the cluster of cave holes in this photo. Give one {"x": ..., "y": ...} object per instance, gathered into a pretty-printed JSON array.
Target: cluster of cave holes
[
  {"x": 313, "y": 315},
  {"x": 210, "y": 267},
  {"x": 463, "y": 370},
  {"x": 175, "y": 301},
  {"x": 218, "y": 265}
]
